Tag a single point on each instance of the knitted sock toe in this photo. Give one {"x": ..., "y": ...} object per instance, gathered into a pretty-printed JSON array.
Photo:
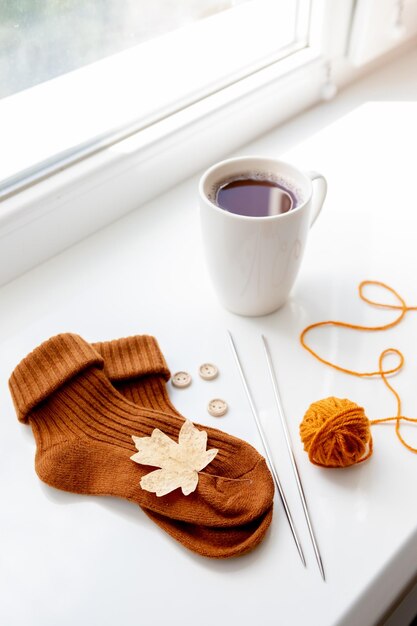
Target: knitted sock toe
[
  {"x": 218, "y": 543},
  {"x": 83, "y": 429}
]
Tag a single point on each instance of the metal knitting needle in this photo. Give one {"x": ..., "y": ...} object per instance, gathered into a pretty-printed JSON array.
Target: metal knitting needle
[
  {"x": 266, "y": 449},
  {"x": 291, "y": 453}
]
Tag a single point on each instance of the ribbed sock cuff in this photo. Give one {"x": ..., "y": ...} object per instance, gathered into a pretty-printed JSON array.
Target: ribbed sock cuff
[
  {"x": 132, "y": 357},
  {"x": 46, "y": 368}
]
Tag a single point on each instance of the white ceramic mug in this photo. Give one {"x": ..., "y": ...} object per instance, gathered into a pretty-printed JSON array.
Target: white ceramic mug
[{"x": 253, "y": 261}]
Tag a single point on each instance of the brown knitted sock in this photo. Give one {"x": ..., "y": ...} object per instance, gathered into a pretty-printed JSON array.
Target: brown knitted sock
[
  {"x": 137, "y": 368},
  {"x": 83, "y": 430}
]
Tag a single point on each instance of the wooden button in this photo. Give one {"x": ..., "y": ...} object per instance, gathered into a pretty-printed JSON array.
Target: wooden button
[
  {"x": 208, "y": 371},
  {"x": 217, "y": 407},
  {"x": 181, "y": 379}
]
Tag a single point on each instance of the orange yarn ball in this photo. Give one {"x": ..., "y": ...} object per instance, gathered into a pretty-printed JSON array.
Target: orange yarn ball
[{"x": 336, "y": 433}]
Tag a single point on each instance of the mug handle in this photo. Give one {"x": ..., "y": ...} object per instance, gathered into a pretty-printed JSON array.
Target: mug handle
[{"x": 319, "y": 193}]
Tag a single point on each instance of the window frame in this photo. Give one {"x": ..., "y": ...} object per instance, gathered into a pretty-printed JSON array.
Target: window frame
[
  {"x": 74, "y": 115},
  {"x": 45, "y": 217}
]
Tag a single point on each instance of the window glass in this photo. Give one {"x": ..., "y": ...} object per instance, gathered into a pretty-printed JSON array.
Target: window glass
[
  {"x": 78, "y": 75},
  {"x": 40, "y": 39}
]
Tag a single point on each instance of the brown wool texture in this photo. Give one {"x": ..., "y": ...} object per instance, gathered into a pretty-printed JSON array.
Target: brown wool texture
[
  {"x": 147, "y": 388},
  {"x": 83, "y": 426}
]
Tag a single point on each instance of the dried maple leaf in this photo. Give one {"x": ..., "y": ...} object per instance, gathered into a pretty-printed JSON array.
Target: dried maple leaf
[{"x": 179, "y": 462}]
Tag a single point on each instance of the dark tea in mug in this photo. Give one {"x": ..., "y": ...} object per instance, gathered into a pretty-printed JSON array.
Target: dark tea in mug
[{"x": 255, "y": 196}]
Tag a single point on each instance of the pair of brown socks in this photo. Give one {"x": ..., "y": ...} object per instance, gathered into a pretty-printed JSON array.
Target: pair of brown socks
[{"x": 84, "y": 403}]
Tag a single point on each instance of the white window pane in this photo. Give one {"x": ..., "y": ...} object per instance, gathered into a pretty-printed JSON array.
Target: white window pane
[
  {"x": 46, "y": 39},
  {"x": 101, "y": 66}
]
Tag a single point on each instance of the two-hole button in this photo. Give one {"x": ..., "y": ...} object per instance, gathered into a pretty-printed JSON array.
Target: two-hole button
[
  {"x": 217, "y": 407},
  {"x": 208, "y": 371},
  {"x": 181, "y": 379}
]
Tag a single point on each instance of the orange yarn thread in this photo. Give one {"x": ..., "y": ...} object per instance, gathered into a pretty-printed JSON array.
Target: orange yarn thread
[{"x": 336, "y": 432}]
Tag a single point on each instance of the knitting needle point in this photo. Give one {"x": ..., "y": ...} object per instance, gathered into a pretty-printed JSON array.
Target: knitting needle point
[
  {"x": 266, "y": 449},
  {"x": 291, "y": 453}
]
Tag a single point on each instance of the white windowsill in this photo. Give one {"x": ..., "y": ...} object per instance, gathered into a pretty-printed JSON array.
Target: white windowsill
[{"x": 145, "y": 274}]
